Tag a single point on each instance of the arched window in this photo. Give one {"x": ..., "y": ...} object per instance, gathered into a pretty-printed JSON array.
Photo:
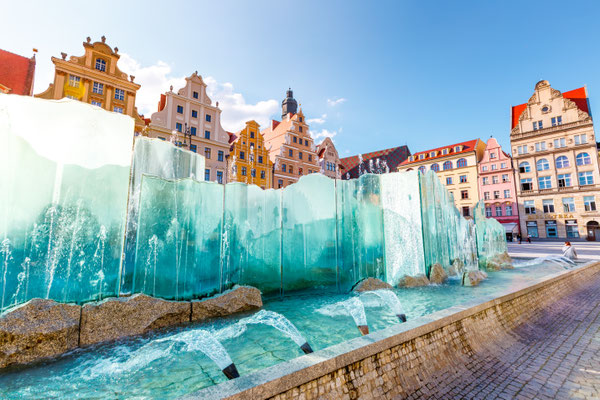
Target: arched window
[
  {"x": 461, "y": 163},
  {"x": 583, "y": 159},
  {"x": 524, "y": 167},
  {"x": 447, "y": 165},
  {"x": 542, "y": 164},
  {"x": 562, "y": 162},
  {"x": 422, "y": 169},
  {"x": 435, "y": 167}
]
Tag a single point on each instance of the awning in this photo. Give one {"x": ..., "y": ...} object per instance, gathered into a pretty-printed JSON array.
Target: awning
[{"x": 510, "y": 227}]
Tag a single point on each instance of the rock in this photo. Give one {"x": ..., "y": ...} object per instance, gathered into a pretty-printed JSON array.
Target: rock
[
  {"x": 457, "y": 267},
  {"x": 492, "y": 265},
  {"x": 413, "y": 281},
  {"x": 239, "y": 299},
  {"x": 507, "y": 266},
  {"x": 437, "y": 274},
  {"x": 472, "y": 278},
  {"x": 128, "y": 316},
  {"x": 370, "y": 284},
  {"x": 38, "y": 329},
  {"x": 498, "y": 262}
]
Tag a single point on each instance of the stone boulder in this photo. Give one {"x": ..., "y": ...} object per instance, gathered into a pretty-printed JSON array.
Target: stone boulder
[
  {"x": 370, "y": 284},
  {"x": 472, "y": 278},
  {"x": 413, "y": 281},
  {"x": 128, "y": 316},
  {"x": 38, "y": 329},
  {"x": 238, "y": 299},
  {"x": 437, "y": 274},
  {"x": 457, "y": 267},
  {"x": 499, "y": 261}
]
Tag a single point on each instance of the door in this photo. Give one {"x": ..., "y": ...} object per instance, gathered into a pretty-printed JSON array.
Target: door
[{"x": 592, "y": 230}]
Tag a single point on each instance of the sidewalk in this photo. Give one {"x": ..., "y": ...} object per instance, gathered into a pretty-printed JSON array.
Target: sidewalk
[{"x": 585, "y": 250}]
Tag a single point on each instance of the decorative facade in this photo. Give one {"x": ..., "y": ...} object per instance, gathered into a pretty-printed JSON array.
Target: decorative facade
[
  {"x": 376, "y": 162},
  {"x": 249, "y": 160},
  {"x": 16, "y": 73},
  {"x": 290, "y": 146},
  {"x": 96, "y": 79},
  {"x": 329, "y": 159},
  {"x": 554, "y": 150},
  {"x": 497, "y": 187},
  {"x": 456, "y": 166},
  {"x": 189, "y": 119}
]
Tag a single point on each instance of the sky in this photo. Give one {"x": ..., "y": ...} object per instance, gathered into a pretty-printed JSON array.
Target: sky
[{"x": 370, "y": 75}]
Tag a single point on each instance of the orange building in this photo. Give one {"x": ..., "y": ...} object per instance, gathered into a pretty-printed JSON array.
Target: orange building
[{"x": 250, "y": 162}]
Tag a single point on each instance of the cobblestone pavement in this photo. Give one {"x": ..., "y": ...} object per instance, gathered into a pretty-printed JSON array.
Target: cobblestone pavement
[{"x": 555, "y": 357}]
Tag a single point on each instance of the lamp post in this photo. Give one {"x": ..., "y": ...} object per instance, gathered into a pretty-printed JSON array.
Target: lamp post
[{"x": 186, "y": 133}]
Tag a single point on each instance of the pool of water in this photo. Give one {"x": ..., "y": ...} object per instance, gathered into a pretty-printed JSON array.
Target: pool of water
[{"x": 169, "y": 364}]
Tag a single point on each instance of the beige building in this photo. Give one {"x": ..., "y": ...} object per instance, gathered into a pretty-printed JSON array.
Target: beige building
[
  {"x": 456, "y": 166},
  {"x": 329, "y": 159},
  {"x": 554, "y": 151},
  {"x": 190, "y": 120},
  {"x": 96, "y": 79}
]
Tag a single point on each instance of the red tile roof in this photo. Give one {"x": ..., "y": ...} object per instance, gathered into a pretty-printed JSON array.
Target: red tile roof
[
  {"x": 16, "y": 73},
  {"x": 578, "y": 96},
  {"x": 466, "y": 147},
  {"x": 393, "y": 157}
]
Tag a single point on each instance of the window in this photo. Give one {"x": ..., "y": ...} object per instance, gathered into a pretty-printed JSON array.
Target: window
[
  {"x": 558, "y": 143},
  {"x": 291, "y": 153},
  {"x": 98, "y": 88},
  {"x": 280, "y": 183},
  {"x": 294, "y": 139},
  {"x": 260, "y": 159},
  {"x": 526, "y": 184},
  {"x": 466, "y": 211},
  {"x": 522, "y": 149},
  {"x": 495, "y": 179},
  {"x": 532, "y": 229},
  {"x": 300, "y": 128},
  {"x": 444, "y": 152},
  {"x": 498, "y": 211},
  {"x": 542, "y": 164},
  {"x": 220, "y": 155},
  {"x": 564, "y": 180},
  {"x": 207, "y": 174},
  {"x": 589, "y": 203},
  {"x": 488, "y": 212},
  {"x": 299, "y": 171},
  {"x": 537, "y": 125},
  {"x": 503, "y": 165},
  {"x": 207, "y": 152},
  {"x": 208, "y": 117},
  {"x": 432, "y": 154},
  {"x": 568, "y": 204},
  {"x": 586, "y": 178},
  {"x": 457, "y": 148},
  {"x": 540, "y": 146},
  {"x": 220, "y": 176},
  {"x": 119, "y": 94},
  {"x": 464, "y": 194},
  {"x": 486, "y": 195},
  {"x": 524, "y": 167},
  {"x": 300, "y": 119},
  {"x": 461, "y": 163},
  {"x": 194, "y": 113},
  {"x": 291, "y": 169},
  {"x": 494, "y": 167},
  {"x": 571, "y": 227},
  {"x": 96, "y": 103},
  {"x": 484, "y": 168},
  {"x": 492, "y": 155},
  {"x": 118, "y": 109},
  {"x": 422, "y": 169},
  {"x": 505, "y": 178},
  {"x": 74, "y": 81},
  {"x": 435, "y": 167},
  {"x": 508, "y": 211},
  {"x": 449, "y": 180},
  {"x": 580, "y": 139},
  {"x": 193, "y": 148},
  {"x": 206, "y": 134},
  {"x": 583, "y": 159},
  {"x": 548, "y": 205},
  {"x": 422, "y": 156},
  {"x": 262, "y": 174},
  {"x": 193, "y": 131},
  {"x": 463, "y": 179},
  {"x": 253, "y": 172},
  {"x": 507, "y": 193},
  {"x": 545, "y": 109},
  {"x": 251, "y": 135},
  {"x": 179, "y": 109},
  {"x": 496, "y": 194},
  {"x": 283, "y": 167},
  {"x": 195, "y": 95},
  {"x": 310, "y": 157},
  {"x": 178, "y": 127},
  {"x": 100, "y": 64},
  {"x": 556, "y": 121},
  {"x": 529, "y": 207},
  {"x": 244, "y": 171},
  {"x": 562, "y": 162},
  {"x": 300, "y": 155},
  {"x": 447, "y": 165},
  {"x": 545, "y": 182}
]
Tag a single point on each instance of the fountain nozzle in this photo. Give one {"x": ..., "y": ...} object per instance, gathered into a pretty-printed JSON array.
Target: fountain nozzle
[
  {"x": 401, "y": 317},
  {"x": 231, "y": 371},
  {"x": 306, "y": 348},
  {"x": 364, "y": 329}
]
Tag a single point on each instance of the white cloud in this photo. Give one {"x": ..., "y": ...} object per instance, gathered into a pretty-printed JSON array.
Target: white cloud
[
  {"x": 320, "y": 120},
  {"x": 156, "y": 79},
  {"x": 335, "y": 102},
  {"x": 318, "y": 136}
]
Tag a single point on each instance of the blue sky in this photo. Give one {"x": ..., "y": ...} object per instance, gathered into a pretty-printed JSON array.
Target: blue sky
[{"x": 371, "y": 74}]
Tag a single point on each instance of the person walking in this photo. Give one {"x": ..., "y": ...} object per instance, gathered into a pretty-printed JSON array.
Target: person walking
[
  {"x": 519, "y": 237},
  {"x": 569, "y": 251},
  {"x": 528, "y": 238}
]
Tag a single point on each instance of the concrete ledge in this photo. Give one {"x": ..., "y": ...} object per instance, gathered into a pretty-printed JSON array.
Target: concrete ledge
[{"x": 400, "y": 358}]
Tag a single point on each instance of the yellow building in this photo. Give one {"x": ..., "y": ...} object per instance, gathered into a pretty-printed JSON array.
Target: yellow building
[
  {"x": 456, "y": 166},
  {"x": 250, "y": 162},
  {"x": 96, "y": 79}
]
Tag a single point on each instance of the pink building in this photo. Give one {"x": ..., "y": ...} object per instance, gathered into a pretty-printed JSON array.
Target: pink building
[{"x": 497, "y": 187}]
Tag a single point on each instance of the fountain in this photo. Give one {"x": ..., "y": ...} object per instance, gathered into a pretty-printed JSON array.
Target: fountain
[
  {"x": 353, "y": 307},
  {"x": 389, "y": 299}
]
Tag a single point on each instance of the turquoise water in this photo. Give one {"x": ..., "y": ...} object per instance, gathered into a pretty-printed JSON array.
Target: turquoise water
[{"x": 158, "y": 366}]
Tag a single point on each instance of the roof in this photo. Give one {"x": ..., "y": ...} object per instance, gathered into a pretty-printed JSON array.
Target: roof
[
  {"x": 393, "y": 156},
  {"x": 577, "y": 96},
  {"x": 467, "y": 147},
  {"x": 16, "y": 73}
]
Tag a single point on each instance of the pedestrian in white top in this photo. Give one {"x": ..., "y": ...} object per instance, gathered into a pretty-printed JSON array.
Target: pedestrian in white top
[{"x": 569, "y": 251}]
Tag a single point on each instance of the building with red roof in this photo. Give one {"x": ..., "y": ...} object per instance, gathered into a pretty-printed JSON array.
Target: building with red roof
[
  {"x": 376, "y": 162},
  {"x": 16, "y": 73}
]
